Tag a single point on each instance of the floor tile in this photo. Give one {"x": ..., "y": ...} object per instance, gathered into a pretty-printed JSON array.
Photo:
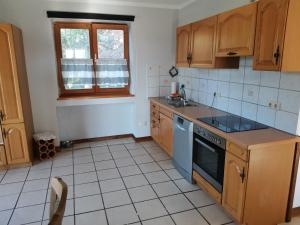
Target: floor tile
[
  {"x": 122, "y": 215},
  {"x": 120, "y": 154},
  {"x": 199, "y": 198},
  {"x": 189, "y": 218},
  {"x": 112, "y": 185},
  {"x": 97, "y": 217},
  {"x": 100, "y": 150},
  {"x": 103, "y": 165},
  {"x": 166, "y": 164},
  {"x": 82, "y": 190},
  {"x": 34, "y": 185},
  {"x": 68, "y": 179},
  {"x": 41, "y": 165},
  {"x": 117, "y": 148},
  {"x": 156, "y": 177},
  {"x": 142, "y": 159},
  {"x": 185, "y": 186},
  {"x": 116, "y": 198},
  {"x": 5, "y": 216},
  {"x": 32, "y": 198},
  {"x": 82, "y": 152},
  {"x": 9, "y": 189},
  {"x": 27, "y": 215},
  {"x": 97, "y": 144},
  {"x": 13, "y": 178},
  {"x": 135, "y": 181},
  {"x": 133, "y": 146},
  {"x": 67, "y": 220},
  {"x": 166, "y": 220},
  {"x": 148, "y": 144},
  {"x": 84, "y": 168},
  {"x": 87, "y": 204},
  {"x": 153, "y": 150},
  {"x": 8, "y": 202},
  {"x": 160, "y": 156},
  {"x": 125, "y": 162},
  {"x": 83, "y": 159},
  {"x": 81, "y": 145},
  {"x": 149, "y": 167},
  {"x": 129, "y": 171},
  {"x": 70, "y": 193},
  {"x": 138, "y": 152},
  {"x": 60, "y": 171},
  {"x": 83, "y": 178},
  {"x": 102, "y": 157},
  {"x": 215, "y": 215},
  {"x": 150, "y": 209},
  {"x": 68, "y": 211},
  {"x": 176, "y": 203},
  {"x": 63, "y": 162},
  {"x": 39, "y": 174},
  {"x": 165, "y": 189},
  {"x": 174, "y": 174},
  {"x": 143, "y": 193},
  {"x": 108, "y": 174}
]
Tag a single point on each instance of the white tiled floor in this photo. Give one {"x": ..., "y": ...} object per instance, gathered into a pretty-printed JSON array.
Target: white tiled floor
[{"x": 114, "y": 182}]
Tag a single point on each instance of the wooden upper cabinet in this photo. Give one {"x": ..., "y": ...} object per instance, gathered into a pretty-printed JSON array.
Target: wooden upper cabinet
[
  {"x": 3, "y": 161},
  {"x": 234, "y": 187},
  {"x": 183, "y": 41},
  {"x": 291, "y": 53},
  {"x": 166, "y": 133},
  {"x": 10, "y": 101},
  {"x": 203, "y": 42},
  {"x": 236, "y": 32},
  {"x": 270, "y": 31},
  {"x": 16, "y": 146}
]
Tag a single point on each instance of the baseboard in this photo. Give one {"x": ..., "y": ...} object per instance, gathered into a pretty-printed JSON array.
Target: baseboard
[
  {"x": 141, "y": 139},
  {"x": 296, "y": 212},
  {"x": 137, "y": 139}
]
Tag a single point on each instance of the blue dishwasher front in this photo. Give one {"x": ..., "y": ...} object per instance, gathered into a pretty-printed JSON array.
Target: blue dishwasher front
[{"x": 183, "y": 146}]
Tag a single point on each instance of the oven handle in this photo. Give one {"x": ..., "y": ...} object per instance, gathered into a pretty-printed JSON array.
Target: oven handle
[{"x": 205, "y": 145}]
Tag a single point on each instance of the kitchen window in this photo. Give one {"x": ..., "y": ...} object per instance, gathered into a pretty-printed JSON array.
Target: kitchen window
[{"x": 92, "y": 59}]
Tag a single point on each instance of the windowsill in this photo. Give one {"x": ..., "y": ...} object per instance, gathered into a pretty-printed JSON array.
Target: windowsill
[{"x": 94, "y": 100}]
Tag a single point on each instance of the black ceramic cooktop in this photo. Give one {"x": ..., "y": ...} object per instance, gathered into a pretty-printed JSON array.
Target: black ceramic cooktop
[{"x": 232, "y": 123}]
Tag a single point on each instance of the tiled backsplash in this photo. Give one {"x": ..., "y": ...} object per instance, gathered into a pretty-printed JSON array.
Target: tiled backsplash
[{"x": 271, "y": 98}]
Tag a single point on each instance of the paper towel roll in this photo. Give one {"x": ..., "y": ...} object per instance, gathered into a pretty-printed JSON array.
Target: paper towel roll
[{"x": 173, "y": 88}]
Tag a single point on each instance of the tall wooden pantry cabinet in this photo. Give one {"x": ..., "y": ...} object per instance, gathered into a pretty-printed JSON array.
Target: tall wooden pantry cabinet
[{"x": 15, "y": 108}]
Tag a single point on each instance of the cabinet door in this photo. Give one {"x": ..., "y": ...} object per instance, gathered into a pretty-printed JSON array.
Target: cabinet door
[
  {"x": 155, "y": 130},
  {"x": 3, "y": 161},
  {"x": 236, "y": 31},
  {"x": 183, "y": 41},
  {"x": 15, "y": 143},
  {"x": 10, "y": 102},
  {"x": 270, "y": 30},
  {"x": 234, "y": 187},
  {"x": 203, "y": 43},
  {"x": 166, "y": 133}
]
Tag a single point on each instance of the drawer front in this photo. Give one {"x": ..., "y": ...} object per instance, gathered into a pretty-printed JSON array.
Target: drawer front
[
  {"x": 155, "y": 114},
  {"x": 154, "y": 107},
  {"x": 166, "y": 112},
  {"x": 237, "y": 151}
]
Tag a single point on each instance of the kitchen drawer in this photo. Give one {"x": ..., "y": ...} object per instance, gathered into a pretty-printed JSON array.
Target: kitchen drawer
[
  {"x": 155, "y": 114},
  {"x": 154, "y": 107},
  {"x": 237, "y": 151},
  {"x": 166, "y": 112},
  {"x": 155, "y": 122}
]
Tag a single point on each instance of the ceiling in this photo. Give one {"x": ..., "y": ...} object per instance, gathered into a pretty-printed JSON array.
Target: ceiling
[{"x": 168, "y": 4}]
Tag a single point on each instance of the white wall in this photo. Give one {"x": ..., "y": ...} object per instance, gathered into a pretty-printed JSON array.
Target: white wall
[
  {"x": 244, "y": 92},
  {"x": 152, "y": 42},
  {"x": 204, "y": 8}
]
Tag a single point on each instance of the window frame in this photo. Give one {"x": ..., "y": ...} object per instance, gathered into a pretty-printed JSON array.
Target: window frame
[{"x": 92, "y": 27}]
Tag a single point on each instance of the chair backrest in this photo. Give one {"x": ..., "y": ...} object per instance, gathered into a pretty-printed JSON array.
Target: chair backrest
[{"x": 59, "y": 192}]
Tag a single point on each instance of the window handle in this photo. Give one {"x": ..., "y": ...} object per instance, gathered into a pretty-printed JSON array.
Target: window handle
[{"x": 95, "y": 58}]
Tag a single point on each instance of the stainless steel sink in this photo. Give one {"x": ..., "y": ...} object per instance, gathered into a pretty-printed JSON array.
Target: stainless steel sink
[{"x": 180, "y": 103}]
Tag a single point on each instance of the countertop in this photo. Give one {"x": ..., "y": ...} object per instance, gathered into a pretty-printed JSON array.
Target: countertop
[{"x": 247, "y": 139}]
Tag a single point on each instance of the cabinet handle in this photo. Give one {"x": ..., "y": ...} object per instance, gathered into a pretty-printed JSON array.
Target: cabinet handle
[
  {"x": 2, "y": 116},
  {"x": 232, "y": 53},
  {"x": 277, "y": 55},
  {"x": 241, "y": 173},
  {"x": 189, "y": 58},
  {"x": 7, "y": 132}
]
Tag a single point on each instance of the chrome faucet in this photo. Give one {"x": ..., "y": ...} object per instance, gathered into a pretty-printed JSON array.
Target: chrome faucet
[{"x": 183, "y": 95}]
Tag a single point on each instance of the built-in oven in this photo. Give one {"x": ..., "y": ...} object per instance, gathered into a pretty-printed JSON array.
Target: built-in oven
[{"x": 209, "y": 156}]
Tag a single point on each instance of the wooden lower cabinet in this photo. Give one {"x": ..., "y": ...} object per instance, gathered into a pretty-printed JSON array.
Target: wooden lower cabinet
[
  {"x": 166, "y": 133},
  {"x": 234, "y": 188},
  {"x": 16, "y": 146},
  {"x": 3, "y": 161},
  {"x": 155, "y": 130}
]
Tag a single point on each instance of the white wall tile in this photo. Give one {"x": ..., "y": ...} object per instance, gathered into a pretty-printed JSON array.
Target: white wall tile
[
  {"x": 249, "y": 61},
  {"x": 223, "y": 89},
  {"x": 210, "y": 100},
  {"x": 195, "y": 84},
  {"x": 290, "y": 81},
  {"x": 194, "y": 96},
  {"x": 242, "y": 61},
  {"x": 165, "y": 81},
  {"x": 289, "y": 101},
  {"x": 202, "y": 97},
  {"x": 203, "y": 73},
  {"x": 251, "y": 76},
  {"x": 222, "y": 103},
  {"x": 212, "y": 86},
  {"x": 213, "y": 74},
  {"x": 164, "y": 91},
  {"x": 249, "y": 110},
  {"x": 286, "y": 121},
  {"x": 203, "y": 85},
  {"x": 270, "y": 79},
  {"x": 153, "y": 81},
  {"x": 224, "y": 75},
  {"x": 153, "y": 91},
  {"x": 236, "y": 91},
  {"x": 164, "y": 70},
  {"x": 152, "y": 70},
  {"x": 237, "y": 75},
  {"x": 235, "y": 106},
  {"x": 187, "y": 82},
  {"x": 267, "y": 95},
  {"x": 250, "y": 93},
  {"x": 266, "y": 115}
]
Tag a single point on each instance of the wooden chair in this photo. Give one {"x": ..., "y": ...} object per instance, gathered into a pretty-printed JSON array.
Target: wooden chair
[{"x": 59, "y": 192}]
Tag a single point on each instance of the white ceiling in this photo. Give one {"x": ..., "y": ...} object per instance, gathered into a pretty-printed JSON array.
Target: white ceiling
[{"x": 168, "y": 4}]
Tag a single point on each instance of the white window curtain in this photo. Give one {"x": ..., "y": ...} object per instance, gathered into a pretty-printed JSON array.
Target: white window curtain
[
  {"x": 112, "y": 73},
  {"x": 77, "y": 73}
]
